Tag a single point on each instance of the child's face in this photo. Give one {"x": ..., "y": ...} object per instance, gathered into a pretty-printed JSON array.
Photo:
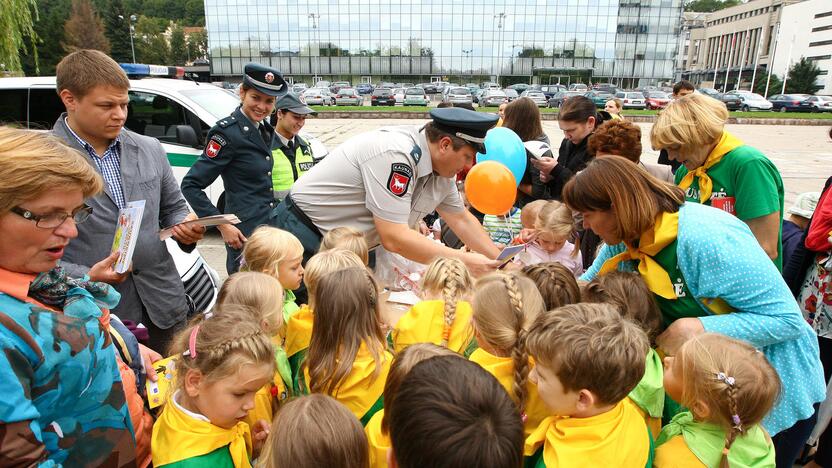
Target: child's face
[
  {"x": 672, "y": 378},
  {"x": 550, "y": 242},
  {"x": 290, "y": 272},
  {"x": 227, "y": 401},
  {"x": 559, "y": 401}
]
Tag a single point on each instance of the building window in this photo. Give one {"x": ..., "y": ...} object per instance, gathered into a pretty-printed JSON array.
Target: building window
[
  {"x": 819, "y": 43},
  {"x": 819, "y": 57},
  {"x": 824, "y": 14},
  {"x": 822, "y": 28},
  {"x": 823, "y": 72}
]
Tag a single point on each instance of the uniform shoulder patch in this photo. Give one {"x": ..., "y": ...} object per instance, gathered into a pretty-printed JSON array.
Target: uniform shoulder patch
[
  {"x": 416, "y": 154},
  {"x": 399, "y": 179},
  {"x": 227, "y": 122},
  {"x": 215, "y": 145}
]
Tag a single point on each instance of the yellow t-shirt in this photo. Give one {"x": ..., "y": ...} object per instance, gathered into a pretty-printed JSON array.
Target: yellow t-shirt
[
  {"x": 379, "y": 442},
  {"x": 616, "y": 438},
  {"x": 503, "y": 369},
  {"x": 425, "y": 322},
  {"x": 675, "y": 454}
]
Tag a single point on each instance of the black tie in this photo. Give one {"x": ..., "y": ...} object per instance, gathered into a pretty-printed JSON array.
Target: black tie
[
  {"x": 265, "y": 134},
  {"x": 290, "y": 145}
]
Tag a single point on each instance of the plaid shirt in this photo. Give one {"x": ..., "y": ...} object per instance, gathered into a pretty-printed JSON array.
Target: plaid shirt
[{"x": 109, "y": 164}]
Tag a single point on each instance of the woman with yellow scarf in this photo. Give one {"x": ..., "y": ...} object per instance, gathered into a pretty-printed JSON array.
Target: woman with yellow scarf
[{"x": 707, "y": 273}]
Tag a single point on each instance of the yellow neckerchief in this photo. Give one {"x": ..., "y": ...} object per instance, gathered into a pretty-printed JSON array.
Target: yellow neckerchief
[
  {"x": 615, "y": 438},
  {"x": 379, "y": 441},
  {"x": 662, "y": 234},
  {"x": 360, "y": 389},
  {"x": 299, "y": 330},
  {"x": 263, "y": 406},
  {"x": 502, "y": 368},
  {"x": 178, "y": 436},
  {"x": 726, "y": 144},
  {"x": 425, "y": 323}
]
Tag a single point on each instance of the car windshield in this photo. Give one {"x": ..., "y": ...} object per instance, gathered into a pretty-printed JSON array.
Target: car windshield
[
  {"x": 496, "y": 92},
  {"x": 753, "y": 97},
  {"x": 658, "y": 95},
  {"x": 216, "y": 101},
  {"x": 398, "y": 91},
  {"x": 824, "y": 98},
  {"x": 534, "y": 93},
  {"x": 464, "y": 91},
  {"x": 347, "y": 91},
  {"x": 415, "y": 91}
]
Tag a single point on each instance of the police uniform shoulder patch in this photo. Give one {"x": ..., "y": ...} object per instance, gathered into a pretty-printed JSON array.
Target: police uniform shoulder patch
[
  {"x": 416, "y": 154},
  {"x": 215, "y": 145},
  {"x": 225, "y": 123},
  {"x": 399, "y": 179}
]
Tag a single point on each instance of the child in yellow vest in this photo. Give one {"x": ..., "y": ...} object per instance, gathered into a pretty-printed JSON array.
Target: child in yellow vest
[
  {"x": 315, "y": 431},
  {"x": 587, "y": 359},
  {"x": 346, "y": 238},
  {"x": 277, "y": 253},
  {"x": 443, "y": 317},
  {"x": 262, "y": 297},
  {"x": 556, "y": 283},
  {"x": 221, "y": 363},
  {"x": 299, "y": 328},
  {"x": 628, "y": 292},
  {"x": 505, "y": 305},
  {"x": 378, "y": 429},
  {"x": 346, "y": 357},
  {"x": 729, "y": 387}
]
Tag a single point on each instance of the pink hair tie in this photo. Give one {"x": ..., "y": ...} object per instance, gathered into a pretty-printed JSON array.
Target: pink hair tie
[{"x": 192, "y": 343}]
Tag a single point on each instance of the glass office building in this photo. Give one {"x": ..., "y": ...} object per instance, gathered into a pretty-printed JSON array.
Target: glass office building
[{"x": 627, "y": 42}]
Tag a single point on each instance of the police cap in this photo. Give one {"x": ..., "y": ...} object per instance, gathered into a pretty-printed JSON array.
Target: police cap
[
  {"x": 264, "y": 79},
  {"x": 469, "y": 125},
  {"x": 292, "y": 103}
]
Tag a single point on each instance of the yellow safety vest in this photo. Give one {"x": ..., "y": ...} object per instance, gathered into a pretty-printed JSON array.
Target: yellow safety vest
[{"x": 284, "y": 173}]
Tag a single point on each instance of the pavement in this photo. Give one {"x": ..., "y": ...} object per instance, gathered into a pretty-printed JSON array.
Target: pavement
[{"x": 803, "y": 154}]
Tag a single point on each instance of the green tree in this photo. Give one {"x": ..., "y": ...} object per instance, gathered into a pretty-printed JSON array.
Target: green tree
[
  {"x": 195, "y": 13},
  {"x": 49, "y": 32},
  {"x": 529, "y": 52},
  {"x": 197, "y": 45},
  {"x": 178, "y": 47},
  {"x": 774, "y": 86},
  {"x": 150, "y": 42},
  {"x": 117, "y": 28},
  {"x": 84, "y": 29},
  {"x": 708, "y": 6},
  {"x": 802, "y": 77},
  {"x": 17, "y": 19}
]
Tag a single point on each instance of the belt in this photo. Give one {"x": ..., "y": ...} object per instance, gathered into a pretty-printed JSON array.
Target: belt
[{"x": 295, "y": 210}]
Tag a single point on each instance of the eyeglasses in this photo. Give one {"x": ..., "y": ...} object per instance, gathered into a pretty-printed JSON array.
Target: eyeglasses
[{"x": 53, "y": 220}]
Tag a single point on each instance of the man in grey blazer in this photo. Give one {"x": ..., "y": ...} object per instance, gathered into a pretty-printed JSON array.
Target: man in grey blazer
[{"x": 94, "y": 91}]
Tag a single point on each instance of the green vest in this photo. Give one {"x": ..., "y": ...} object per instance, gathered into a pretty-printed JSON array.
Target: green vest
[{"x": 285, "y": 172}]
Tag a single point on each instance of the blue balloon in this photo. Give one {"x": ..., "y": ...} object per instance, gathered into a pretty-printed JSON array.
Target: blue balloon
[{"x": 504, "y": 146}]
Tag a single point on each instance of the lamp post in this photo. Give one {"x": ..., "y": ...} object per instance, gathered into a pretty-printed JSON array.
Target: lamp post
[
  {"x": 467, "y": 53},
  {"x": 314, "y": 18},
  {"x": 513, "y": 46},
  {"x": 500, "y": 17},
  {"x": 130, "y": 21}
]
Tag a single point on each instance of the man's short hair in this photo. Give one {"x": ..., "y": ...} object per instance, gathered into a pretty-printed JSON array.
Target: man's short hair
[
  {"x": 83, "y": 70},
  {"x": 451, "y": 412},
  {"x": 592, "y": 347},
  {"x": 684, "y": 84}
]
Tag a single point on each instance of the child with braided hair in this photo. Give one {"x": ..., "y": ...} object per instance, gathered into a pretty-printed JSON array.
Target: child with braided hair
[
  {"x": 556, "y": 283},
  {"x": 220, "y": 363},
  {"x": 504, "y": 306},
  {"x": 729, "y": 387},
  {"x": 443, "y": 316}
]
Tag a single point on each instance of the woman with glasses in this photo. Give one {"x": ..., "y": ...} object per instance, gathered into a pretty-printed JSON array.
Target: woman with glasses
[{"x": 62, "y": 395}]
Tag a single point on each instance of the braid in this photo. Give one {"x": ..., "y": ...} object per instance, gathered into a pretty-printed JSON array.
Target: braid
[
  {"x": 519, "y": 352},
  {"x": 736, "y": 424},
  {"x": 449, "y": 293}
]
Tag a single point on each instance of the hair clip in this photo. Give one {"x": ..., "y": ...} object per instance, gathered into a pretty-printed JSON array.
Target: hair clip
[
  {"x": 524, "y": 417},
  {"x": 725, "y": 378},
  {"x": 191, "y": 351}
]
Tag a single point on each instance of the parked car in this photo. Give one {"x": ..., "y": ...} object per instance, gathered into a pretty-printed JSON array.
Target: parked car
[
  {"x": 429, "y": 88},
  {"x": 458, "y": 95},
  {"x": 299, "y": 88},
  {"x": 821, "y": 103},
  {"x": 753, "y": 102},
  {"x": 493, "y": 97},
  {"x": 414, "y": 96},
  {"x": 710, "y": 92},
  {"x": 364, "y": 88},
  {"x": 382, "y": 97},
  {"x": 537, "y": 96},
  {"x": 511, "y": 94},
  {"x": 489, "y": 85},
  {"x": 317, "y": 97},
  {"x": 322, "y": 84},
  {"x": 549, "y": 90},
  {"x": 385, "y": 84},
  {"x": 631, "y": 99},
  {"x": 599, "y": 98},
  {"x": 348, "y": 97},
  {"x": 476, "y": 95},
  {"x": 335, "y": 87},
  {"x": 519, "y": 87},
  {"x": 656, "y": 99},
  {"x": 398, "y": 94},
  {"x": 732, "y": 101},
  {"x": 560, "y": 97},
  {"x": 791, "y": 103},
  {"x": 578, "y": 87}
]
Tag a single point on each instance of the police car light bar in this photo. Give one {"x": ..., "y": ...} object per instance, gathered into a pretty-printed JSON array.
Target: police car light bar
[{"x": 140, "y": 70}]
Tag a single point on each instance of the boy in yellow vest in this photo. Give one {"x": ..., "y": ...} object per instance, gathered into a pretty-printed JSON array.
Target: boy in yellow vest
[
  {"x": 587, "y": 359},
  {"x": 292, "y": 154}
]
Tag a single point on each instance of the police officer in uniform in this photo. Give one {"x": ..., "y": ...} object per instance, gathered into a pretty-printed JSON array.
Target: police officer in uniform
[
  {"x": 239, "y": 149},
  {"x": 293, "y": 155},
  {"x": 384, "y": 182}
]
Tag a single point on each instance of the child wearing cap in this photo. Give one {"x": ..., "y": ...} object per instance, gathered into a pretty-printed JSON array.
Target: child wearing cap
[{"x": 799, "y": 215}]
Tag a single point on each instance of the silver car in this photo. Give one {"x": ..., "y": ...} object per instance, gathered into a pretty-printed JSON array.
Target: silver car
[
  {"x": 821, "y": 103},
  {"x": 348, "y": 97},
  {"x": 493, "y": 97},
  {"x": 753, "y": 102},
  {"x": 317, "y": 97},
  {"x": 458, "y": 95},
  {"x": 537, "y": 96}
]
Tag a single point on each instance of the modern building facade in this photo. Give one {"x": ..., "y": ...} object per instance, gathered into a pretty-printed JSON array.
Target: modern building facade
[
  {"x": 628, "y": 42},
  {"x": 806, "y": 31}
]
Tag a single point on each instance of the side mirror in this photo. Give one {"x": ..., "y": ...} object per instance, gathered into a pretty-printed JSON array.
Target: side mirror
[{"x": 185, "y": 135}]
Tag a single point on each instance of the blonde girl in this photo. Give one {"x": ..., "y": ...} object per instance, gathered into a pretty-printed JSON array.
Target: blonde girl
[
  {"x": 346, "y": 357},
  {"x": 555, "y": 227},
  {"x": 277, "y": 253},
  {"x": 262, "y": 297},
  {"x": 614, "y": 106},
  {"x": 299, "y": 328},
  {"x": 346, "y": 238},
  {"x": 378, "y": 429},
  {"x": 629, "y": 294},
  {"x": 729, "y": 387},
  {"x": 220, "y": 364},
  {"x": 505, "y": 306},
  {"x": 443, "y": 316},
  {"x": 314, "y": 431},
  {"x": 556, "y": 283}
]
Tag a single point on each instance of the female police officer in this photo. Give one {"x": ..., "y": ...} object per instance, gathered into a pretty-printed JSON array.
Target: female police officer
[{"x": 239, "y": 150}]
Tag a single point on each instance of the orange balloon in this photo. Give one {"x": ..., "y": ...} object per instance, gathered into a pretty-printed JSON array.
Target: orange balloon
[{"x": 491, "y": 188}]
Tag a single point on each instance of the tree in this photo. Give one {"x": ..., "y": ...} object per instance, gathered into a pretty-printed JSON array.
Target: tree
[
  {"x": 774, "y": 86},
  {"x": 195, "y": 13},
  {"x": 197, "y": 45},
  {"x": 84, "y": 29},
  {"x": 708, "y": 6},
  {"x": 529, "y": 52},
  {"x": 150, "y": 42},
  {"x": 16, "y": 22},
  {"x": 178, "y": 47},
  {"x": 802, "y": 77},
  {"x": 117, "y": 28}
]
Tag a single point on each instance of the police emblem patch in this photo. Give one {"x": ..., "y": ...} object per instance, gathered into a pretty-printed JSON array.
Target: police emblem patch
[
  {"x": 269, "y": 77},
  {"x": 399, "y": 180},
  {"x": 214, "y": 147}
]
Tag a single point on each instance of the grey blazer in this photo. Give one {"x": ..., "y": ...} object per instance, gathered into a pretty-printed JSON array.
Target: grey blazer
[{"x": 154, "y": 282}]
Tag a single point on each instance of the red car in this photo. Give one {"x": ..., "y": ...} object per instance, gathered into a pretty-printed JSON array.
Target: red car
[{"x": 656, "y": 99}]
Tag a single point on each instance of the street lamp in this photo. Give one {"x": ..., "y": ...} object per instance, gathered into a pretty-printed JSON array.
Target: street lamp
[
  {"x": 133, "y": 18},
  {"x": 500, "y": 17},
  {"x": 467, "y": 53},
  {"x": 314, "y": 17},
  {"x": 512, "y": 56}
]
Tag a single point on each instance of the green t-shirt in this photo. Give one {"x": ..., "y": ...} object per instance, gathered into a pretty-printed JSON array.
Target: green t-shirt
[
  {"x": 219, "y": 458},
  {"x": 745, "y": 184},
  {"x": 685, "y": 305}
]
